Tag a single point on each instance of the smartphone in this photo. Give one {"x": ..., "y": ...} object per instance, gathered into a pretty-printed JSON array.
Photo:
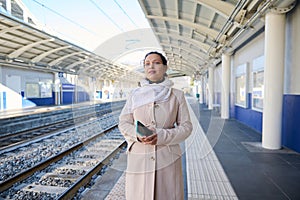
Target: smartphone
[{"x": 141, "y": 129}]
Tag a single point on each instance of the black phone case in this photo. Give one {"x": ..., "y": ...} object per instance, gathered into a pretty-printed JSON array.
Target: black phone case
[{"x": 142, "y": 130}]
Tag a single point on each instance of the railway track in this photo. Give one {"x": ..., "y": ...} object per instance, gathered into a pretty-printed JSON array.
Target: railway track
[
  {"x": 18, "y": 138},
  {"x": 18, "y": 158},
  {"x": 56, "y": 160},
  {"x": 63, "y": 175}
]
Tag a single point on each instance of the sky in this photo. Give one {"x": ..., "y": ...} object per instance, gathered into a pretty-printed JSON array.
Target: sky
[{"x": 88, "y": 23}]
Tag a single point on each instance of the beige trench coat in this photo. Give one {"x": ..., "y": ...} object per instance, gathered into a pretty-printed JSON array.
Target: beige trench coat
[{"x": 155, "y": 171}]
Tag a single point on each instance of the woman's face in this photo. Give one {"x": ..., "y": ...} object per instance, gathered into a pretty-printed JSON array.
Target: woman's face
[{"x": 154, "y": 68}]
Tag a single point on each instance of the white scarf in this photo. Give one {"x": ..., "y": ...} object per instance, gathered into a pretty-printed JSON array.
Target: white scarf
[{"x": 148, "y": 93}]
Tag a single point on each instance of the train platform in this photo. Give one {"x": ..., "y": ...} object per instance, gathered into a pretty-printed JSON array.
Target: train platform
[
  {"x": 223, "y": 160},
  {"x": 20, "y": 120},
  {"x": 27, "y": 111}
]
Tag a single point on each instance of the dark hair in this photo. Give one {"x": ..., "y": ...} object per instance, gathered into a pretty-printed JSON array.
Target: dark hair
[{"x": 164, "y": 60}]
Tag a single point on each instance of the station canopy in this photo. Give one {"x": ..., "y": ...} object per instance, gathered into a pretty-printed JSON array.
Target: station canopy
[
  {"x": 192, "y": 33},
  {"x": 195, "y": 33},
  {"x": 24, "y": 46}
]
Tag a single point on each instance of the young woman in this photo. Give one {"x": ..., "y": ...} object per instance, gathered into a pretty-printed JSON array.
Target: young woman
[{"x": 154, "y": 162}]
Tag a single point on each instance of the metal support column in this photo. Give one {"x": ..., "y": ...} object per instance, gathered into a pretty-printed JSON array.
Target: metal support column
[
  {"x": 273, "y": 80},
  {"x": 210, "y": 87},
  {"x": 202, "y": 86},
  {"x": 225, "y": 86}
]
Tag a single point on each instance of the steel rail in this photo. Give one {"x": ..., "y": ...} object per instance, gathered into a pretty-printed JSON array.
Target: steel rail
[
  {"x": 85, "y": 179},
  {"x": 29, "y": 133},
  {"x": 28, "y": 172}
]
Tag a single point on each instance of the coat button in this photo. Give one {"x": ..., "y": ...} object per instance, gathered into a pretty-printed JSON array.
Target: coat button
[
  {"x": 152, "y": 158},
  {"x": 153, "y": 122}
]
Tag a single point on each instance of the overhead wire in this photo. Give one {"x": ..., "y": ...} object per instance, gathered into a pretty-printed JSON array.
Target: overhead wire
[
  {"x": 99, "y": 8},
  {"x": 125, "y": 13},
  {"x": 102, "y": 11},
  {"x": 68, "y": 19}
]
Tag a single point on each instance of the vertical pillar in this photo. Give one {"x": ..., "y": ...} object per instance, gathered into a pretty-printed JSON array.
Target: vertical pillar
[
  {"x": 76, "y": 92},
  {"x": 8, "y": 6},
  {"x": 225, "y": 86},
  {"x": 210, "y": 87},
  {"x": 57, "y": 88},
  {"x": 196, "y": 89},
  {"x": 202, "y": 90},
  {"x": 100, "y": 89},
  {"x": 273, "y": 80},
  {"x": 93, "y": 89}
]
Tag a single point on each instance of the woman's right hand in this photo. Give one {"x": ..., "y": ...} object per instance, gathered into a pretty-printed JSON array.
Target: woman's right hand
[{"x": 152, "y": 139}]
